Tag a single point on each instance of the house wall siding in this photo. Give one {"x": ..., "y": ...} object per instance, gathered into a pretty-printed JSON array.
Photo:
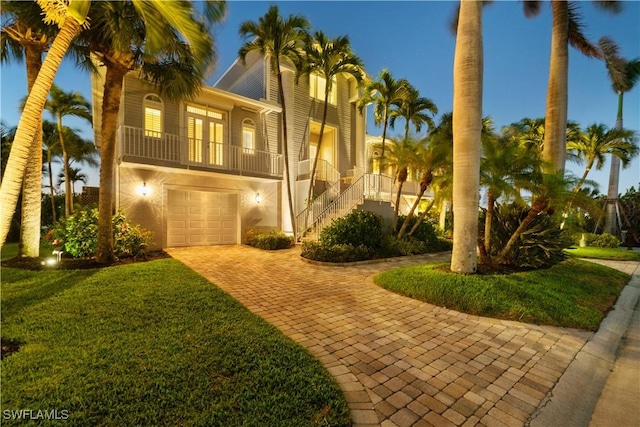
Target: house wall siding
[{"x": 251, "y": 83}]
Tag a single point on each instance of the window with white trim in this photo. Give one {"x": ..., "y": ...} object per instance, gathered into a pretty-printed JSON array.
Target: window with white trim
[
  {"x": 317, "y": 86},
  {"x": 248, "y": 136},
  {"x": 153, "y": 108}
]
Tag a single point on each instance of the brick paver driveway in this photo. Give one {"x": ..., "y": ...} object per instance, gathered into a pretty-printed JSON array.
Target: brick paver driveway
[{"x": 399, "y": 361}]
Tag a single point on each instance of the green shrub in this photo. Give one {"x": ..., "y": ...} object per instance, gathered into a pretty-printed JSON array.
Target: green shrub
[
  {"x": 604, "y": 240},
  {"x": 271, "y": 241},
  {"x": 540, "y": 246},
  {"x": 78, "y": 235},
  {"x": 358, "y": 228},
  {"x": 336, "y": 253}
]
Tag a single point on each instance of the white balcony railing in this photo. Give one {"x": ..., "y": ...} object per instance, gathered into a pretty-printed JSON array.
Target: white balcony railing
[{"x": 164, "y": 147}]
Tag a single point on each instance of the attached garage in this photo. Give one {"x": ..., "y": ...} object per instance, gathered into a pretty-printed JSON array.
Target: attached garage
[{"x": 197, "y": 218}]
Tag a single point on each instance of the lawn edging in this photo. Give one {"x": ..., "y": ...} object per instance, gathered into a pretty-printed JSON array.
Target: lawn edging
[{"x": 425, "y": 257}]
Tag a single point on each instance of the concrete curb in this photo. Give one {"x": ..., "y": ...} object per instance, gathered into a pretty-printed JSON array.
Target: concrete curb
[{"x": 574, "y": 398}]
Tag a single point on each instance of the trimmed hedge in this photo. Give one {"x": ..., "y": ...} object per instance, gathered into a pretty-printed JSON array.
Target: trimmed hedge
[{"x": 268, "y": 241}]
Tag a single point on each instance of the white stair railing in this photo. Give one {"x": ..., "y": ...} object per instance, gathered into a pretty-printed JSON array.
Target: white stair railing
[
  {"x": 308, "y": 216},
  {"x": 368, "y": 186}
]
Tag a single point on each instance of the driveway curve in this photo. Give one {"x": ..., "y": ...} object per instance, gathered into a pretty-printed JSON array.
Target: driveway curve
[{"x": 400, "y": 362}]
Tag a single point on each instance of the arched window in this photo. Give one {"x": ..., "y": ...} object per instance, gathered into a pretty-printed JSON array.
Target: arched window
[
  {"x": 248, "y": 136},
  {"x": 153, "y": 123}
]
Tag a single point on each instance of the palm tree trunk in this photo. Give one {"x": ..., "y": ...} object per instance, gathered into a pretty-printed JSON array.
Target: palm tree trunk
[
  {"x": 401, "y": 182},
  {"x": 610, "y": 225},
  {"x": 312, "y": 177},
  {"x": 421, "y": 217},
  {"x": 30, "y": 120},
  {"x": 53, "y": 194},
  {"x": 31, "y": 186},
  {"x": 110, "y": 106},
  {"x": 384, "y": 137},
  {"x": 583, "y": 178},
  {"x": 555, "y": 134},
  {"x": 285, "y": 149},
  {"x": 491, "y": 203},
  {"x": 467, "y": 130},
  {"x": 68, "y": 210},
  {"x": 538, "y": 206},
  {"x": 427, "y": 177}
]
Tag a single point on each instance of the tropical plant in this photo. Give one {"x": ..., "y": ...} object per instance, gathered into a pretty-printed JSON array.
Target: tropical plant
[
  {"x": 567, "y": 28},
  {"x": 63, "y": 104},
  {"x": 25, "y": 36},
  {"x": 69, "y": 16},
  {"x": 385, "y": 92},
  {"x": 169, "y": 43},
  {"x": 279, "y": 40},
  {"x": 414, "y": 109},
  {"x": 597, "y": 141},
  {"x": 506, "y": 168},
  {"x": 328, "y": 58},
  {"x": 403, "y": 156},
  {"x": 467, "y": 131},
  {"x": 52, "y": 150},
  {"x": 540, "y": 246},
  {"x": 74, "y": 175},
  {"x": 624, "y": 75}
]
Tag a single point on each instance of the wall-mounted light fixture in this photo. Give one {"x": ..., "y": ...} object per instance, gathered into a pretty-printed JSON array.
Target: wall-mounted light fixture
[
  {"x": 258, "y": 198},
  {"x": 144, "y": 190}
]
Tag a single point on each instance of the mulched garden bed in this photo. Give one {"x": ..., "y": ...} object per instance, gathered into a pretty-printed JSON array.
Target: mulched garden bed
[{"x": 27, "y": 263}]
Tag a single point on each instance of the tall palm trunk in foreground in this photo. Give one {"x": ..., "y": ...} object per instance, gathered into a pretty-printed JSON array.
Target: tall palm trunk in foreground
[
  {"x": 467, "y": 129},
  {"x": 30, "y": 121}
]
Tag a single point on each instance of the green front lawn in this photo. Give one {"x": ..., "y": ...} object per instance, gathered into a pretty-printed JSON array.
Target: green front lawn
[
  {"x": 8, "y": 251},
  {"x": 574, "y": 293},
  {"x": 617, "y": 254},
  {"x": 154, "y": 344}
]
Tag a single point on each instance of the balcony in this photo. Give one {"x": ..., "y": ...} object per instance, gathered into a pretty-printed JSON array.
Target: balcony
[{"x": 164, "y": 149}]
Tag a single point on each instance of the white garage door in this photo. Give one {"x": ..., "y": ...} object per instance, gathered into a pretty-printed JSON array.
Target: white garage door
[{"x": 201, "y": 218}]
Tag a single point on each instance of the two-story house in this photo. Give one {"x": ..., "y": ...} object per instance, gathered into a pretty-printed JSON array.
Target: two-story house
[{"x": 201, "y": 172}]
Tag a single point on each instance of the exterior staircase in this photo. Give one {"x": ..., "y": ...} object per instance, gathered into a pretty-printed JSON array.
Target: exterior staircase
[{"x": 333, "y": 203}]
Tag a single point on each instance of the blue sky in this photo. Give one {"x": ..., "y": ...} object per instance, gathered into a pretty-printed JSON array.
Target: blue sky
[{"x": 412, "y": 39}]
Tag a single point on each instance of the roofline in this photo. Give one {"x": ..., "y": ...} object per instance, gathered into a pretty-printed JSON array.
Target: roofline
[
  {"x": 263, "y": 105},
  {"x": 233, "y": 64}
]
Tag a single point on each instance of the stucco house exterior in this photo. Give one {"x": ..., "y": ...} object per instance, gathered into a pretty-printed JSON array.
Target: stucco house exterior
[{"x": 201, "y": 172}]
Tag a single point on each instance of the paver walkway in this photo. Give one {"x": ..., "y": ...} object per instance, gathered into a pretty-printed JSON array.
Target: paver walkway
[{"x": 400, "y": 362}]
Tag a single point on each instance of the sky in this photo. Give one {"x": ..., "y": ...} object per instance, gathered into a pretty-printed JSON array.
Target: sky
[{"x": 413, "y": 40}]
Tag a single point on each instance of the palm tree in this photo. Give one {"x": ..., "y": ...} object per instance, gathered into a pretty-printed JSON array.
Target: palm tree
[
  {"x": 75, "y": 175},
  {"x": 567, "y": 29},
  {"x": 279, "y": 40},
  {"x": 598, "y": 141},
  {"x": 413, "y": 109},
  {"x": 624, "y": 74},
  {"x": 170, "y": 45},
  {"x": 62, "y": 104},
  {"x": 69, "y": 17},
  {"x": 506, "y": 168},
  {"x": 327, "y": 58},
  {"x": 51, "y": 147},
  {"x": 384, "y": 92},
  {"x": 467, "y": 130},
  {"x": 25, "y": 36},
  {"x": 402, "y": 155}
]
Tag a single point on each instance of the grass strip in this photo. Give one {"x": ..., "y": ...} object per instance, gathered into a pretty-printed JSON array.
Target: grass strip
[{"x": 616, "y": 254}]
